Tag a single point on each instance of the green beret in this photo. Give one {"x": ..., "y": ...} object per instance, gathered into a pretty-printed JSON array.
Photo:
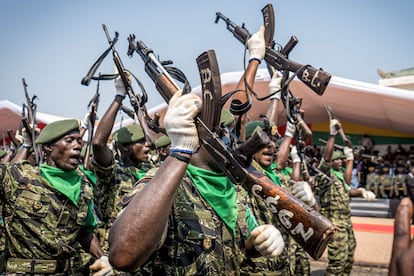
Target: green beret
[
  {"x": 253, "y": 125},
  {"x": 2, "y": 153},
  {"x": 162, "y": 141},
  {"x": 55, "y": 130},
  {"x": 337, "y": 154},
  {"x": 129, "y": 134},
  {"x": 226, "y": 118}
]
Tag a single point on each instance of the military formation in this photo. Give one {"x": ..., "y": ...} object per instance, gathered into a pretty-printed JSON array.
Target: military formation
[{"x": 119, "y": 203}]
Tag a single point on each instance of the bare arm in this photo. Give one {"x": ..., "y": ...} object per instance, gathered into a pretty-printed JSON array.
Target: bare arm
[
  {"x": 102, "y": 154},
  {"x": 137, "y": 231}
]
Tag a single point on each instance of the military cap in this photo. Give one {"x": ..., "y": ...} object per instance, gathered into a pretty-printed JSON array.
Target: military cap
[
  {"x": 253, "y": 125},
  {"x": 162, "y": 141},
  {"x": 226, "y": 118},
  {"x": 2, "y": 153},
  {"x": 128, "y": 134},
  {"x": 337, "y": 154},
  {"x": 55, "y": 130}
]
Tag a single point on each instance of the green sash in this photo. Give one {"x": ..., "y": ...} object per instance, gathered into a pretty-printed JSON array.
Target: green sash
[
  {"x": 218, "y": 191},
  {"x": 66, "y": 182},
  {"x": 340, "y": 176},
  {"x": 271, "y": 174}
]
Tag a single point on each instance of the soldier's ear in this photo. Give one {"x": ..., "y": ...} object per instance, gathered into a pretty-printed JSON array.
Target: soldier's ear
[{"x": 47, "y": 148}]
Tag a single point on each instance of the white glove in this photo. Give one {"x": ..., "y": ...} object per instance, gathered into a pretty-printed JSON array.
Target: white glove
[
  {"x": 302, "y": 191},
  {"x": 267, "y": 240},
  {"x": 368, "y": 195},
  {"x": 179, "y": 122},
  {"x": 349, "y": 153},
  {"x": 274, "y": 86},
  {"x": 86, "y": 121},
  {"x": 256, "y": 45},
  {"x": 333, "y": 126},
  {"x": 102, "y": 267},
  {"x": 294, "y": 155},
  {"x": 290, "y": 129},
  {"x": 119, "y": 84}
]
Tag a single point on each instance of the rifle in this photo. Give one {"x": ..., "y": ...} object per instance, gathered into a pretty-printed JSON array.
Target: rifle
[
  {"x": 93, "y": 105},
  {"x": 294, "y": 215},
  {"x": 13, "y": 139},
  {"x": 30, "y": 122},
  {"x": 315, "y": 79},
  {"x": 357, "y": 152},
  {"x": 340, "y": 130}
]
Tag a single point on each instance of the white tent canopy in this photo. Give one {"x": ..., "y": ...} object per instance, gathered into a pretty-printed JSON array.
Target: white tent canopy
[
  {"x": 351, "y": 101},
  {"x": 11, "y": 116}
]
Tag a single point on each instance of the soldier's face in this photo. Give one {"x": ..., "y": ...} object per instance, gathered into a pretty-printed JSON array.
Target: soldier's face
[
  {"x": 265, "y": 156},
  {"x": 139, "y": 151},
  {"x": 65, "y": 152}
]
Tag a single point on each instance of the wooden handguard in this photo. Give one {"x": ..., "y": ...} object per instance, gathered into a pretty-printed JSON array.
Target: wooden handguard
[{"x": 309, "y": 228}]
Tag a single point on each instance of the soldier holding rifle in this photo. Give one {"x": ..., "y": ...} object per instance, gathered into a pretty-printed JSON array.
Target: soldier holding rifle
[
  {"x": 189, "y": 217},
  {"x": 334, "y": 198}
]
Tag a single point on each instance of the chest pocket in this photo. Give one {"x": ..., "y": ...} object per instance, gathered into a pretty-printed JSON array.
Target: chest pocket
[{"x": 34, "y": 205}]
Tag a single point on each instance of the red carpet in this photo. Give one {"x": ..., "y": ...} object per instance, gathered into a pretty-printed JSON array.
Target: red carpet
[{"x": 377, "y": 228}]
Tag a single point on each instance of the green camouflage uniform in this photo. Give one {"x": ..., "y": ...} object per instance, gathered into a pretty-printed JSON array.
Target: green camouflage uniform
[
  {"x": 373, "y": 179},
  {"x": 399, "y": 184},
  {"x": 261, "y": 265},
  {"x": 41, "y": 224},
  {"x": 198, "y": 242},
  {"x": 298, "y": 258},
  {"x": 335, "y": 205},
  {"x": 113, "y": 183},
  {"x": 387, "y": 183}
]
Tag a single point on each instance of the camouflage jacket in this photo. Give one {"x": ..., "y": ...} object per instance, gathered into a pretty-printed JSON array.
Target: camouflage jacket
[
  {"x": 39, "y": 221},
  {"x": 198, "y": 242},
  {"x": 113, "y": 183},
  {"x": 333, "y": 195}
]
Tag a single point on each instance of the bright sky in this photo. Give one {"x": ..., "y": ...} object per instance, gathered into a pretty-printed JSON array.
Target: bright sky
[{"x": 52, "y": 44}]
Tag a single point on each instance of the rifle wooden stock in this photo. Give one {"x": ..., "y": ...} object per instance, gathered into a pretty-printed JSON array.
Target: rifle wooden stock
[
  {"x": 307, "y": 226},
  {"x": 12, "y": 138}
]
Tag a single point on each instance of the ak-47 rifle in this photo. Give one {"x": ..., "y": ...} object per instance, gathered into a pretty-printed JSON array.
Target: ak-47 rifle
[
  {"x": 137, "y": 101},
  {"x": 358, "y": 152},
  {"x": 308, "y": 227},
  {"x": 315, "y": 79},
  {"x": 30, "y": 122},
  {"x": 93, "y": 106},
  {"x": 340, "y": 130}
]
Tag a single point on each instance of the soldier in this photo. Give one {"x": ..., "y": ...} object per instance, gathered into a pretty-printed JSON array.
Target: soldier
[
  {"x": 373, "y": 180},
  {"x": 116, "y": 169},
  {"x": 162, "y": 150},
  {"x": 334, "y": 199},
  {"x": 400, "y": 179},
  {"x": 48, "y": 209},
  {"x": 189, "y": 218},
  {"x": 387, "y": 182}
]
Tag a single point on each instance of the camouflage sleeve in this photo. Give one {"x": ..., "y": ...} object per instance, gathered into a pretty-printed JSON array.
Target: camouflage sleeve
[{"x": 325, "y": 167}]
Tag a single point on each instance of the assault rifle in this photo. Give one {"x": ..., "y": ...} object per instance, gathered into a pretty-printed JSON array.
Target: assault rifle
[
  {"x": 137, "y": 101},
  {"x": 93, "y": 106},
  {"x": 358, "y": 152},
  {"x": 315, "y": 79},
  {"x": 308, "y": 227},
  {"x": 29, "y": 122}
]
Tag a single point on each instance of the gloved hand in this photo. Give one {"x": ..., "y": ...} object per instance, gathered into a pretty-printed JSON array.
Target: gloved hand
[
  {"x": 86, "y": 121},
  {"x": 119, "y": 84},
  {"x": 368, "y": 195},
  {"x": 179, "y": 122},
  {"x": 294, "y": 155},
  {"x": 102, "y": 267},
  {"x": 290, "y": 129},
  {"x": 274, "y": 85},
  {"x": 256, "y": 45},
  {"x": 303, "y": 191},
  {"x": 333, "y": 125},
  {"x": 267, "y": 240},
  {"x": 349, "y": 153}
]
